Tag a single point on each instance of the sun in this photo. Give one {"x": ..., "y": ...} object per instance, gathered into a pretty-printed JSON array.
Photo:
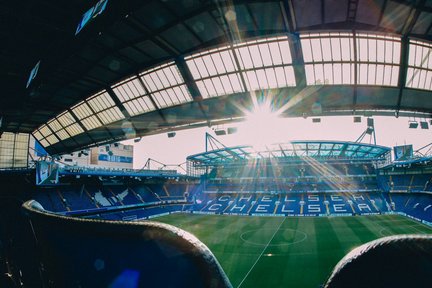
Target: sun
[{"x": 261, "y": 126}]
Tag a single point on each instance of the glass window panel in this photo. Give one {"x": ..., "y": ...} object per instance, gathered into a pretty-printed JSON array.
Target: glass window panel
[
  {"x": 363, "y": 74},
  {"x": 225, "y": 81},
  {"x": 203, "y": 89},
  {"x": 176, "y": 74},
  {"x": 256, "y": 56},
  {"x": 389, "y": 52},
  {"x": 319, "y": 74},
  {"x": 44, "y": 130},
  {"x": 208, "y": 62},
  {"x": 380, "y": 75},
  {"x": 74, "y": 129},
  {"x": 336, "y": 49},
  {"x": 289, "y": 74},
  {"x": 307, "y": 50},
  {"x": 326, "y": 49},
  {"x": 220, "y": 67},
  {"x": 380, "y": 46},
  {"x": 66, "y": 119},
  {"x": 262, "y": 79},
  {"x": 193, "y": 69},
  {"x": 371, "y": 74},
  {"x": 244, "y": 58},
  {"x": 362, "y": 50},
  {"x": 52, "y": 139},
  {"x": 347, "y": 73},
  {"x": 218, "y": 86},
  {"x": 252, "y": 81},
  {"x": 201, "y": 67},
  {"x": 396, "y": 52},
  {"x": 228, "y": 60},
  {"x": 316, "y": 50},
  {"x": 428, "y": 83},
  {"x": 271, "y": 78},
  {"x": 275, "y": 53},
  {"x": 265, "y": 54},
  {"x": 286, "y": 53},
  {"x": 410, "y": 76},
  {"x": 337, "y": 73},
  {"x": 328, "y": 73},
  {"x": 395, "y": 75},
  {"x": 235, "y": 81},
  {"x": 346, "y": 49},
  {"x": 44, "y": 143},
  {"x": 310, "y": 76},
  {"x": 62, "y": 135},
  {"x": 210, "y": 88},
  {"x": 280, "y": 77},
  {"x": 387, "y": 74},
  {"x": 54, "y": 125},
  {"x": 37, "y": 135},
  {"x": 372, "y": 47}
]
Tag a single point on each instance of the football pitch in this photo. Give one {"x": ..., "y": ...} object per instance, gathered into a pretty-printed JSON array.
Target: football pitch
[{"x": 287, "y": 251}]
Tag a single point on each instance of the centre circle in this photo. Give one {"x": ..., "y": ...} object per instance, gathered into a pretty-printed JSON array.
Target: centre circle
[{"x": 282, "y": 237}]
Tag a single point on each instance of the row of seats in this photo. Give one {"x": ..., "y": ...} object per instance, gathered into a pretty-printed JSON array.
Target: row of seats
[
  {"x": 291, "y": 204},
  {"x": 85, "y": 197}
]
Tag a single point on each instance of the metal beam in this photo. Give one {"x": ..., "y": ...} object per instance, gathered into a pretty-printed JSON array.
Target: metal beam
[{"x": 402, "y": 71}]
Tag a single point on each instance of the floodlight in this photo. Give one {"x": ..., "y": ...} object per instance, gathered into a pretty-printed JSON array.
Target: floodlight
[
  {"x": 369, "y": 130},
  {"x": 316, "y": 120},
  {"x": 413, "y": 124},
  {"x": 137, "y": 139},
  {"x": 357, "y": 119},
  {"x": 171, "y": 134},
  {"x": 424, "y": 125},
  {"x": 232, "y": 130},
  {"x": 370, "y": 122},
  {"x": 220, "y": 132}
]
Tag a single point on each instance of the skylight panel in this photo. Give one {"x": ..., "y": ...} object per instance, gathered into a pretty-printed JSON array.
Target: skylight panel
[
  {"x": 101, "y": 102},
  {"x": 86, "y": 116},
  {"x": 419, "y": 73},
  {"x": 328, "y": 58},
  {"x": 66, "y": 119},
  {"x": 38, "y": 135},
  {"x": 378, "y": 58},
  {"x": 139, "y": 106},
  {"x": 129, "y": 89},
  {"x": 74, "y": 129},
  {"x": 52, "y": 139}
]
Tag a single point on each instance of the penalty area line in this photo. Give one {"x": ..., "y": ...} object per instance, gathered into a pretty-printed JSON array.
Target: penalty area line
[{"x": 262, "y": 252}]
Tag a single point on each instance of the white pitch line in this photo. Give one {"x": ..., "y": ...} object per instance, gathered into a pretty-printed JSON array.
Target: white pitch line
[{"x": 262, "y": 252}]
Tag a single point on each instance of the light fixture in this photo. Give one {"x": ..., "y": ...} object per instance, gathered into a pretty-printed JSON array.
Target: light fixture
[
  {"x": 171, "y": 134},
  {"x": 357, "y": 119},
  {"x": 413, "y": 124},
  {"x": 232, "y": 130},
  {"x": 424, "y": 125},
  {"x": 316, "y": 120},
  {"x": 137, "y": 139},
  {"x": 220, "y": 132}
]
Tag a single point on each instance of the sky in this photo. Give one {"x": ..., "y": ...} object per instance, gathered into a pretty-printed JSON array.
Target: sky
[{"x": 261, "y": 130}]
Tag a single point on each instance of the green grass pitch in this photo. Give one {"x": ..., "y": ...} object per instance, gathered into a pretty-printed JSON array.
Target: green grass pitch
[{"x": 287, "y": 251}]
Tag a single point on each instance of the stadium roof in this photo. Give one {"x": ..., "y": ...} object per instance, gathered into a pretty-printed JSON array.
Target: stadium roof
[
  {"x": 145, "y": 67},
  {"x": 302, "y": 149}
]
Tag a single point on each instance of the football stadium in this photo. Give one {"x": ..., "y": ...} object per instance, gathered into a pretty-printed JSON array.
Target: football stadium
[{"x": 214, "y": 143}]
